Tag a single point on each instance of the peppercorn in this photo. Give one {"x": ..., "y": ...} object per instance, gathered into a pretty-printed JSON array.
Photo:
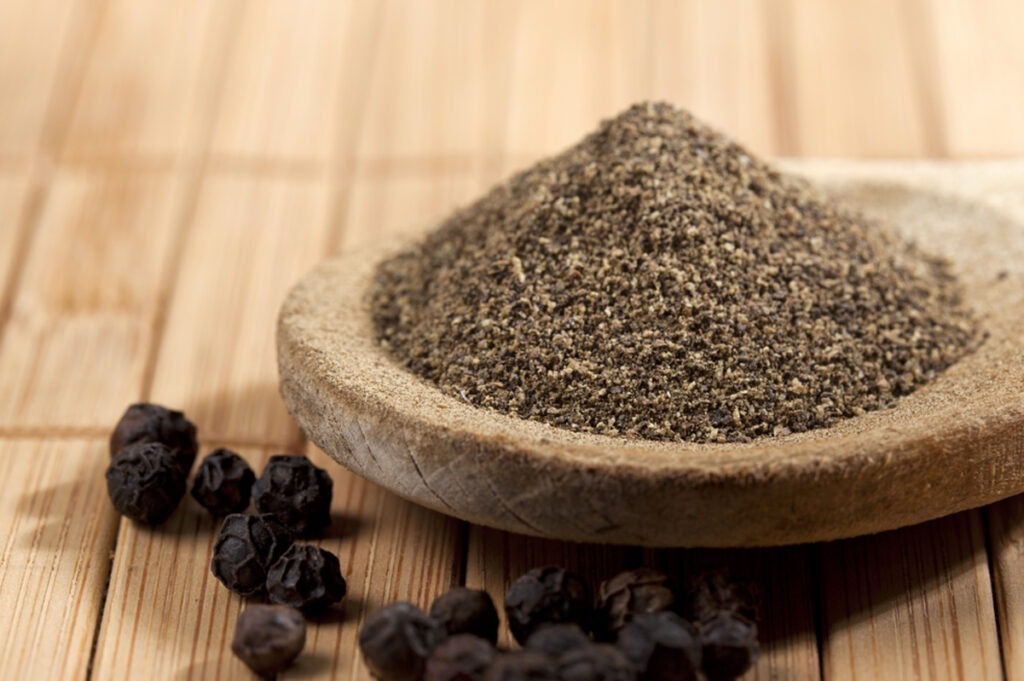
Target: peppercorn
[
  {"x": 595, "y": 662},
  {"x": 145, "y": 483},
  {"x": 546, "y": 595},
  {"x": 554, "y": 640},
  {"x": 626, "y": 595},
  {"x": 147, "y": 422},
  {"x": 729, "y": 645},
  {"x": 661, "y": 646},
  {"x": 269, "y": 637},
  {"x": 397, "y": 640},
  {"x": 223, "y": 483},
  {"x": 462, "y": 657},
  {"x": 306, "y": 577},
  {"x": 295, "y": 490},
  {"x": 713, "y": 591},
  {"x": 246, "y": 547},
  {"x": 467, "y": 611},
  {"x": 522, "y": 665}
]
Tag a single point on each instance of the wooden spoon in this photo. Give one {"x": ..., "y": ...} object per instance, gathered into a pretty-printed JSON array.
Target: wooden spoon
[{"x": 954, "y": 444}]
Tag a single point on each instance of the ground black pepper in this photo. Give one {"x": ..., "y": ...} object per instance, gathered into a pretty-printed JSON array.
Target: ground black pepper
[
  {"x": 297, "y": 492},
  {"x": 467, "y": 611},
  {"x": 462, "y": 657},
  {"x": 546, "y": 595},
  {"x": 657, "y": 281},
  {"x": 147, "y": 422},
  {"x": 397, "y": 640},
  {"x": 306, "y": 577},
  {"x": 145, "y": 482},
  {"x": 245, "y": 549},
  {"x": 223, "y": 483},
  {"x": 269, "y": 637}
]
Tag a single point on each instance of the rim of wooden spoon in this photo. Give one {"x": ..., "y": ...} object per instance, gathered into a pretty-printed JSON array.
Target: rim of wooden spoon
[{"x": 954, "y": 444}]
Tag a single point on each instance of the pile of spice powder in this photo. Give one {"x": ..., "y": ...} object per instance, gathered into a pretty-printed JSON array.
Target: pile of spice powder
[{"x": 656, "y": 281}]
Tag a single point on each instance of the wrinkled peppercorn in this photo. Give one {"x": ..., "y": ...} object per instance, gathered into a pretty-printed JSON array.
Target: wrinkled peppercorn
[
  {"x": 712, "y": 592},
  {"x": 246, "y": 547},
  {"x": 306, "y": 577},
  {"x": 729, "y": 645},
  {"x": 145, "y": 482},
  {"x": 546, "y": 595},
  {"x": 554, "y": 640},
  {"x": 595, "y": 662},
  {"x": 467, "y": 611},
  {"x": 462, "y": 657},
  {"x": 147, "y": 422},
  {"x": 269, "y": 637},
  {"x": 297, "y": 492},
  {"x": 661, "y": 646},
  {"x": 397, "y": 640},
  {"x": 522, "y": 665},
  {"x": 629, "y": 594},
  {"x": 223, "y": 483}
]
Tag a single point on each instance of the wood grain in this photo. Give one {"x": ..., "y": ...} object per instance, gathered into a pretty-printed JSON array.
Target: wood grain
[
  {"x": 251, "y": 238},
  {"x": 916, "y": 603},
  {"x": 56, "y": 533},
  {"x": 81, "y": 320},
  {"x": 13, "y": 195}
]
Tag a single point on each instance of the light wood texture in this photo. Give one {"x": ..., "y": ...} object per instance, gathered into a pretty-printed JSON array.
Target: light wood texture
[
  {"x": 136, "y": 136},
  {"x": 56, "y": 536}
]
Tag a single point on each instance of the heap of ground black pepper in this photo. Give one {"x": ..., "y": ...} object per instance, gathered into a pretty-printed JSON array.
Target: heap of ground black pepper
[{"x": 656, "y": 281}]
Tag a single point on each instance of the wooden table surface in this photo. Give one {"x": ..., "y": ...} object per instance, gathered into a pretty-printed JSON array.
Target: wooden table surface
[{"x": 169, "y": 169}]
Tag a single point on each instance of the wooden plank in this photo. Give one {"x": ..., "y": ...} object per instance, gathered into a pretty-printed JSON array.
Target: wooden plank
[
  {"x": 13, "y": 193},
  {"x": 912, "y": 603},
  {"x": 282, "y": 81},
  {"x": 425, "y": 95},
  {"x": 74, "y": 349},
  {"x": 855, "y": 89},
  {"x": 252, "y": 238},
  {"x": 975, "y": 61},
  {"x": 399, "y": 204},
  {"x": 144, "y": 80},
  {"x": 32, "y": 35},
  {"x": 1006, "y": 556},
  {"x": 56, "y": 531},
  {"x": 713, "y": 58}
]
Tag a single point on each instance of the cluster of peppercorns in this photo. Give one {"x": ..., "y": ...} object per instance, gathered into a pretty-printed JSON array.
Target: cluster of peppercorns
[
  {"x": 638, "y": 629},
  {"x": 153, "y": 449}
]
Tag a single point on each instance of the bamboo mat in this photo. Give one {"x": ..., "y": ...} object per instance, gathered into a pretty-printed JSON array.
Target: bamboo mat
[{"x": 168, "y": 169}]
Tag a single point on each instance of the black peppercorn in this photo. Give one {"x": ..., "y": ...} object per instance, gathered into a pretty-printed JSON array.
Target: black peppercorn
[
  {"x": 306, "y": 577},
  {"x": 246, "y": 547},
  {"x": 546, "y": 595},
  {"x": 146, "y": 422},
  {"x": 595, "y": 662},
  {"x": 712, "y": 592},
  {"x": 626, "y": 595},
  {"x": 145, "y": 483},
  {"x": 397, "y": 640},
  {"x": 296, "y": 491},
  {"x": 223, "y": 483},
  {"x": 522, "y": 665},
  {"x": 729, "y": 645},
  {"x": 269, "y": 637},
  {"x": 462, "y": 657},
  {"x": 467, "y": 611},
  {"x": 661, "y": 646},
  {"x": 554, "y": 640}
]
